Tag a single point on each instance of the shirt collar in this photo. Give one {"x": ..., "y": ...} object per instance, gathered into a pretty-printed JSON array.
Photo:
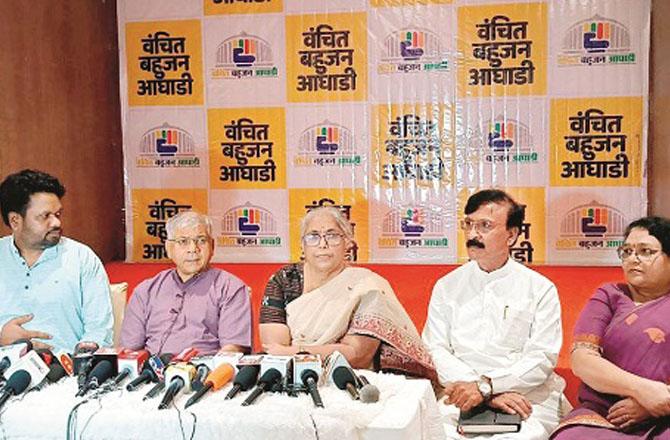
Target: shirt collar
[
  {"x": 496, "y": 274},
  {"x": 47, "y": 254},
  {"x": 191, "y": 281}
]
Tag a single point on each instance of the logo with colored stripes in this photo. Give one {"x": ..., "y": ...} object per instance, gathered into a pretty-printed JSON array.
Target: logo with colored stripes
[
  {"x": 167, "y": 146},
  {"x": 326, "y": 143},
  {"x": 593, "y": 220},
  {"x": 248, "y": 225},
  {"x": 413, "y": 226},
  {"x": 597, "y": 40},
  {"x": 243, "y": 56},
  {"x": 412, "y": 50},
  {"x": 505, "y": 140}
]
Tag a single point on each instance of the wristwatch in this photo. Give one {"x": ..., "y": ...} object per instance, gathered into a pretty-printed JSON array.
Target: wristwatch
[{"x": 484, "y": 387}]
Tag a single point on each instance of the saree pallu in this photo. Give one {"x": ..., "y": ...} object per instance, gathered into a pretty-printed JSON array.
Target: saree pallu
[
  {"x": 634, "y": 337},
  {"x": 360, "y": 302}
]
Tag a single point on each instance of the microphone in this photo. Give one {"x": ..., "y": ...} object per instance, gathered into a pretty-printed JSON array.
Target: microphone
[
  {"x": 179, "y": 377},
  {"x": 152, "y": 371},
  {"x": 132, "y": 361},
  {"x": 16, "y": 384},
  {"x": 270, "y": 378},
  {"x": 102, "y": 372},
  {"x": 244, "y": 380},
  {"x": 65, "y": 359},
  {"x": 220, "y": 376},
  {"x": 33, "y": 364},
  {"x": 155, "y": 390},
  {"x": 310, "y": 378},
  {"x": 56, "y": 373},
  {"x": 201, "y": 373},
  {"x": 345, "y": 380},
  {"x": 369, "y": 393},
  {"x": 10, "y": 354},
  {"x": 82, "y": 360}
]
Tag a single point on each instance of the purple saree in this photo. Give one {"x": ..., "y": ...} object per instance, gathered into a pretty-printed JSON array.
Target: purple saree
[{"x": 634, "y": 337}]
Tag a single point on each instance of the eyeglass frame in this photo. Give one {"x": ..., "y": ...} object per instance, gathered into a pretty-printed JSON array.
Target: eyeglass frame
[
  {"x": 184, "y": 242},
  {"x": 476, "y": 224},
  {"x": 339, "y": 235},
  {"x": 636, "y": 252}
]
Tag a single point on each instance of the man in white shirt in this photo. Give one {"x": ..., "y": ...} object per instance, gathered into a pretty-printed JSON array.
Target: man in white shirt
[{"x": 494, "y": 326}]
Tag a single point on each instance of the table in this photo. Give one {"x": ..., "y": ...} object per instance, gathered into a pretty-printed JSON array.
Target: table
[{"x": 407, "y": 410}]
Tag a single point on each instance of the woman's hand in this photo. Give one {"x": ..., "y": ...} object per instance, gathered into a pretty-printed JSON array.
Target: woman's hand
[
  {"x": 626, "y": 413},
  {"x": 279, "y": 349},
  {"x": 654, "y": 397}
]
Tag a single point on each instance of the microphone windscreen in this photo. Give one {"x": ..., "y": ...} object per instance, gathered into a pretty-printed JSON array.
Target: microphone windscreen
[
  {"x": 56, "y": 372},
  {"x": 247, "y": 376},
  {"x": 270, "y": 376},
  {"x": 102, "y": 371},
  {"x": 18, "y": 382},
  {"x": 342, "y": 376},
  {"x": 307, "y": 374},
  {"x": 220, "y": 376},
  {"x": 369, "y": 394}
]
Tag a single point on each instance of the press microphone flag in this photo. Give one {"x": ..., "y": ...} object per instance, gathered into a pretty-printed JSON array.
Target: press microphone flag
[{"x": 215, "y": 380}]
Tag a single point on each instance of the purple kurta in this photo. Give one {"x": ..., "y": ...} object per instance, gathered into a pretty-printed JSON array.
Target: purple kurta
[
  {"x": 166, "y": 315},
  {"x": 634, "y": 337}
]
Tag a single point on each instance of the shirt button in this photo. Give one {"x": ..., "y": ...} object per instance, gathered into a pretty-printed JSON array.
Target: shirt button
[
  {"x": 27, "y": 274},
  {"x": 26, "y": 287}
]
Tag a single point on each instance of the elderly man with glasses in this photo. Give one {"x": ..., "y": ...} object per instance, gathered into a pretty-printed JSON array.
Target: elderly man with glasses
[
  {"x": 192, "y": 304},
  {"x": 494, "y": 326}
]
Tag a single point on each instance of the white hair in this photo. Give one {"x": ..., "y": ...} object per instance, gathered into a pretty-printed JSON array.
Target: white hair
[
  {"x": 187, "y": 219},
  {"x": 336, "y": 215}
]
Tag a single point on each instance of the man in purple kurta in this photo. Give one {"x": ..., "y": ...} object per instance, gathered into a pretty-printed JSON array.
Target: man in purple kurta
[{"x": 191, "y": 305}]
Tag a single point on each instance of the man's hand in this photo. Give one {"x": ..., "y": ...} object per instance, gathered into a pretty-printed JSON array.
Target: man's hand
[
  {"x": 512, "y": 403},
  {"x": 465, "y": 395},
  {"x": 13, "y": 330},
  {"x": 626, "y": 413}
]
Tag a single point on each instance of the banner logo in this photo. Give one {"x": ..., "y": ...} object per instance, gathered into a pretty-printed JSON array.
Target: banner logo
[
  {"x": 248, "y": 226},
  {"x": 507, "y": 140},
  {"x": 244, "y": 56},
  {"x": 592, "y": 226},
  {"x": 595, "y": 41},
  {"x": 412, "y": 50},
  {"x": 167, "y": 146},
  {"x": 326, "y": 144},
  {"x": 414, "y": 226}
]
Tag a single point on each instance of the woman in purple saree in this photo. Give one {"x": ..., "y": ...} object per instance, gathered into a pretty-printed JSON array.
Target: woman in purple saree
[{"x": 621, "y": 348}]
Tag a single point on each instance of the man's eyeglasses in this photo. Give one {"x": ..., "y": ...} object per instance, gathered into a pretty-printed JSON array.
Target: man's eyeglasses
[
  {"x": 644, "y": 254},
  {"x": 199, "y": 241},
  {"x": 314, "y": 239},
  {"x": 481, "y": 226}
]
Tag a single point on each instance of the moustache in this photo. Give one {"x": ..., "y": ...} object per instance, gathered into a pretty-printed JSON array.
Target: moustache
[{"x": 473, "y": 242}]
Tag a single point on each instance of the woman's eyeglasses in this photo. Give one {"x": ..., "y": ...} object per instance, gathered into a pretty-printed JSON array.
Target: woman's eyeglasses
[
  {"x": 314, "y": 239},
  {"x": 644, "y": 254}
]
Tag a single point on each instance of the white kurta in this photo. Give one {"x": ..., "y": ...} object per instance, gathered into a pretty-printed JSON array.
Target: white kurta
[{"x": 505, "y": 325}]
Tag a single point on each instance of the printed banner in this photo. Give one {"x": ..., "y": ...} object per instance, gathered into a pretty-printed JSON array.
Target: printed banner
[{"x": 394, "y": 112}]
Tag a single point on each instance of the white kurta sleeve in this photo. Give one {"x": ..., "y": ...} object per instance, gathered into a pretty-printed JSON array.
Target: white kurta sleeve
[{"x": 436, "y": 335}]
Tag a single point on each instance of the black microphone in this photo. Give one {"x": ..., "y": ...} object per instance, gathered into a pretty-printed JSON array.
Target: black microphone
[
  {"x": 152, "y": 371},
  {"x": 201, "y": 373},
  {"x": 102, "y": 371},
  {"x": 244, "y": 380},
  {"x": 56, "y": 373},
  {"x": 121, "y": 376},
  {"x": 12, "y": 352},
  {"x": 4, "y": 364},
  {"x": 16, "y": 384},
  {"x": 267, "y": 381},
  {"x": 179, "y": 376},
  {"x": 310, "y": 378},
  {"x": 155, "y": 390},
  {"x": 83, "y": 362},
  {"x": 345, "y": 380}
]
